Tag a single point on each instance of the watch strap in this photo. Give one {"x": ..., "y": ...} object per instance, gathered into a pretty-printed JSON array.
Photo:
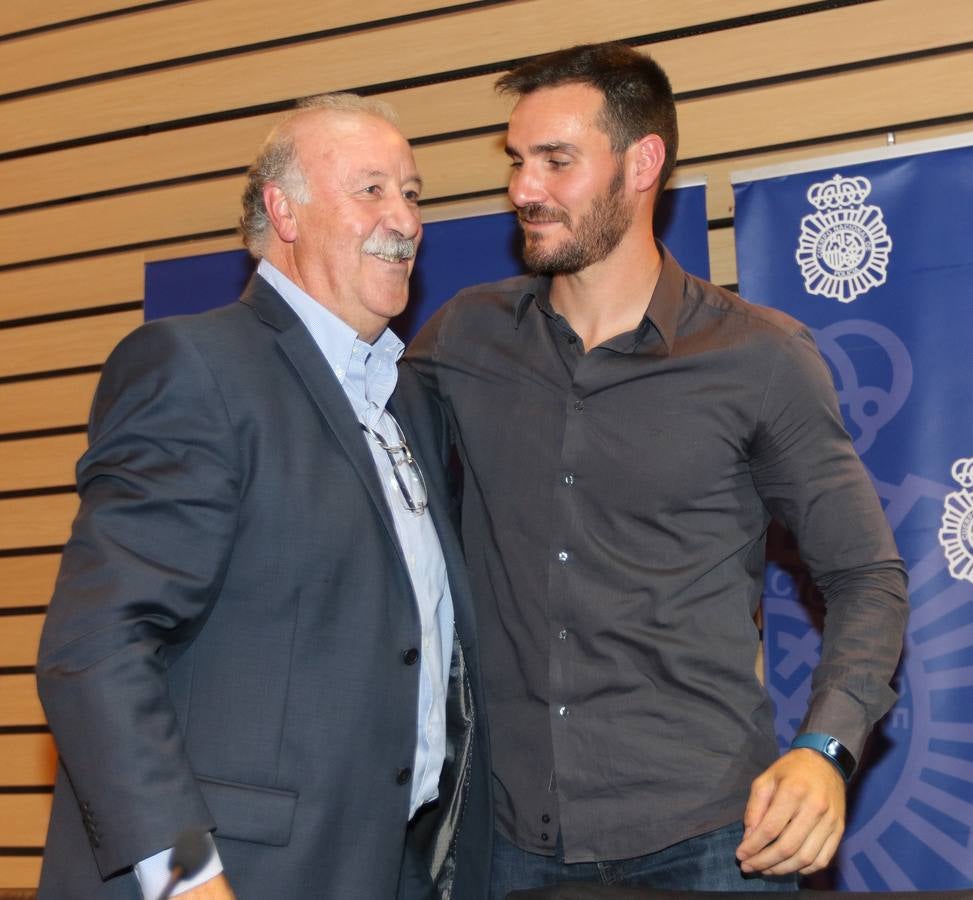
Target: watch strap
[{"x": 830, "y": 747}]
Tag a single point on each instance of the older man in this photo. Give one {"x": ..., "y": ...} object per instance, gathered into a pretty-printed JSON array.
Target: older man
[
  {"x": 261, "y": 628},
  {"x": 628, "y": 432}
]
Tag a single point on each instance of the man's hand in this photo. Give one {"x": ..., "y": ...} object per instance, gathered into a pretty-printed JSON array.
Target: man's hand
[
  {"x": 795, "y": 816},
  {"x": 217, "y": 888}
]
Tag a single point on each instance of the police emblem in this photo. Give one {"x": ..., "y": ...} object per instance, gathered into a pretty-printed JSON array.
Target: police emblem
[
  {"x": 956, "y": 535},
  {"x": 844, "y": 247}
]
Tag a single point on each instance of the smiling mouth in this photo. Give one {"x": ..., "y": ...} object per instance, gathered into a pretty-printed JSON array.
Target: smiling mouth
[
  {"x": 389, "y": 258},
  {"x": 539, "y": 214}
]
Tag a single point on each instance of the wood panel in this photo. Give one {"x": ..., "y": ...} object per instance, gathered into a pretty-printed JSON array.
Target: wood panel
[
  {"x": 771, "y": 48},
  {"x": 454, "y": 42},
  {"x": 71, "y": 285},
  {"x": 179, "y": 31},
  {"x": 121, "y": 221},
  {"x": 36, "y": 521},
  {"x": 28, "y": 759},
  {"x": 27, "y": 580},
  {"x": 138, "y": 160},
  {"x": 463, "y": 209},
  {"x": 834, "y": 37},
  {"x": 96, "y": 281},
  {"x": 39, "y": 462},
  {"x": 23, "y": 819},
  {"x": 18, "y": 701},
  {"x": 911, "y": 91},
  {"x": 873, "y": 98},
  {"x": 722, "y": 256},
  {"x": 20, "y": 871},
  {"x": 77, "y": 342},
  {"x": 46, "y": 403},
  {"x": 193, "y": 248},
  {"x": 19, "y": 639},
  {"x": 20, "y": 15},
  {"x": 719, "y": 190}
]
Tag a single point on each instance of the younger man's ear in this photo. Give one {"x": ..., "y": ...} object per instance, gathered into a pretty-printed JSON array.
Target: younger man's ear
[{"x": 650, "y": 156}]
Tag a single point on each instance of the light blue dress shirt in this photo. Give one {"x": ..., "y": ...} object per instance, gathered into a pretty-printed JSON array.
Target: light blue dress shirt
[{"x": 368, "y": 374}]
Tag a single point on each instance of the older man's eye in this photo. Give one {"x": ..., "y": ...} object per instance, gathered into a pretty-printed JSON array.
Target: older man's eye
[
  {"x": 411, "y": 196},
  {"x": 374, "y": 189}
]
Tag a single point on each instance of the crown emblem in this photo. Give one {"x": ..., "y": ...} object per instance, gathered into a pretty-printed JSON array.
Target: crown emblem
[{"x": 839, "y": 192}]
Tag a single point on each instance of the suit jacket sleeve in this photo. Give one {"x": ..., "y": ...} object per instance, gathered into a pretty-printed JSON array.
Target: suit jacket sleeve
[{"x": 159, "y": 487}]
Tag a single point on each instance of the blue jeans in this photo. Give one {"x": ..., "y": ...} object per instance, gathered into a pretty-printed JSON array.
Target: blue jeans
[{"x": 703, "y": 863}]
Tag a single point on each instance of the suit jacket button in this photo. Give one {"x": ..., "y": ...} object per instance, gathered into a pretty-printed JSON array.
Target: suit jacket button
[
  {"x": 410, "y": 656},
  {"x": 404, "y": 775}
]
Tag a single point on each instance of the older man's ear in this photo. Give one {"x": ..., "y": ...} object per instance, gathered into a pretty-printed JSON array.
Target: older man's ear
[{"x": 279, "y": 212}]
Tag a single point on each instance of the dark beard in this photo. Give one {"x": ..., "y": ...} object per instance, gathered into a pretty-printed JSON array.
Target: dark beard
[{"x": 597, "y": 233}]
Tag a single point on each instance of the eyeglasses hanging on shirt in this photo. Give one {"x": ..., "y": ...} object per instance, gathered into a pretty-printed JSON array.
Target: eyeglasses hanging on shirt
[{"x": 405, "y": 468}]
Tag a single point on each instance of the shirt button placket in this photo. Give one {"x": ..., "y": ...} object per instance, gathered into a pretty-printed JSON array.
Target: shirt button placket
[{"x": 563, "y": 588}]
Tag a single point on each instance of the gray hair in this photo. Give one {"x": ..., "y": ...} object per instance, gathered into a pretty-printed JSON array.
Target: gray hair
[{"x": 277, "y": 163}]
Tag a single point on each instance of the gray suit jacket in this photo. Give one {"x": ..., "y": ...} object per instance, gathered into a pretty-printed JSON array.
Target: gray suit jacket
[{"x": 227, "y": 641}]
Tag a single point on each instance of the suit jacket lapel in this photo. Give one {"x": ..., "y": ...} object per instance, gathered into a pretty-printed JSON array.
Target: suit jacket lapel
[{"x": 325, "y": 390}]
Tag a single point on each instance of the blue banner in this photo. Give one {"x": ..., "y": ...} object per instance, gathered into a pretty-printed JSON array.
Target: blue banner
[
  {"x": 876, "y": 255},
  {"x": 454, "y": 254}
]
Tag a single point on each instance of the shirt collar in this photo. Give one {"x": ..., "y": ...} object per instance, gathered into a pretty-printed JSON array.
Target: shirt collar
[
  {"x": 667, "y": 301},
  {"x": 662, "y": 310},
  {"x": 335, "y": 338}
]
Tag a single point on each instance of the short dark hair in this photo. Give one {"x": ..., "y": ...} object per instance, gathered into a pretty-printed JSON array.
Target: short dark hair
[{"x": 638, "y": 96}]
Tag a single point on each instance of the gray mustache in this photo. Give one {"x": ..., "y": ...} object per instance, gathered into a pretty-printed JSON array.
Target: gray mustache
[{"x": 390, "y": 245}]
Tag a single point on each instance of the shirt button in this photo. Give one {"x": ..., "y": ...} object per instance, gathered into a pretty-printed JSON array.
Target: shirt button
[
  {"x": 562, "y": 635},
  {"x": 572, "y": 339},
  {"x": 544, "y": 836},
  {"x": 563, "y": 556},
  {"x": 579, "y": 405},
  {"x": 564, "y": 712},
  {"x": 569, "y": 479},
  {"x": 545, "y": 818},
  {"x": 403, "y": 775},
  {"x": 410, "y": 656}
]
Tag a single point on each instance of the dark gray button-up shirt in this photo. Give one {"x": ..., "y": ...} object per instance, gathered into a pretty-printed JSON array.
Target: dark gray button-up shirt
[{"x": 614, "y": 516}]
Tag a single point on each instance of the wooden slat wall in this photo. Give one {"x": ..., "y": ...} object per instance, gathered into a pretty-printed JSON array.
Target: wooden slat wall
[{"x": 125, "y": 129}]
